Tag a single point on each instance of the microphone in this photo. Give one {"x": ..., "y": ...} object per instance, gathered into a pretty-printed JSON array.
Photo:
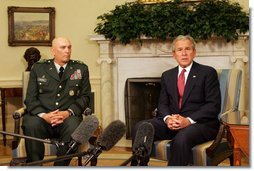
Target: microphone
[
  {"x": 111, "y": 135},
  {"x": 83, "y": 132},
  {"x": 143, "y": 142},
  {"x": 108, "y": 138}
]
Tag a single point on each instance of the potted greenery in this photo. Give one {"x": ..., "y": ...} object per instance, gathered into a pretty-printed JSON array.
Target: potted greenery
[{"x": 202, "y": 20}]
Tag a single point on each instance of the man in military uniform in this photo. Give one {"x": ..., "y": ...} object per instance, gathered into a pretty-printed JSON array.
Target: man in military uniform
[{"x": 57, "y": 94}]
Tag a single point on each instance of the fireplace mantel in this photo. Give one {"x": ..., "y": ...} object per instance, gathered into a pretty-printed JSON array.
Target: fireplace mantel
[{"x": 149, "y": 59}]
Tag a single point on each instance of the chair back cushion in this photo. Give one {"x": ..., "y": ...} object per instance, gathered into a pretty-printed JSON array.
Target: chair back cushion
[
  {"x": 230, "y": 87},
  {"x": 25, "y": 79}
]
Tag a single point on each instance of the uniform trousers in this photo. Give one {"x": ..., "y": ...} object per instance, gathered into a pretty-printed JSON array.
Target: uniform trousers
[{"x": 35, "y": 126}]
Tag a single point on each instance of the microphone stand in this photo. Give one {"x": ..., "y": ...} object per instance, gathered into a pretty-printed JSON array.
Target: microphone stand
[
  {"x": 128, "y": 160},
  {"x": 138, "y": 154},
  {"x": 60, "y": 158},
  {"x": 94, "y": 153},
  {"x": 57, "y": 144}
]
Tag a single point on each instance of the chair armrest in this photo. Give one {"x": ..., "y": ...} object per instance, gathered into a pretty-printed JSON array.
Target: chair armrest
[
  {"x": 19, "y": 113},
  {"x": 221, "y": 134},
  {"x": 87, "y": 111},
  {"x": 90, "y": 110},
  {"x": 155, "y": 112},
  {"x": 211, "y": 149}
]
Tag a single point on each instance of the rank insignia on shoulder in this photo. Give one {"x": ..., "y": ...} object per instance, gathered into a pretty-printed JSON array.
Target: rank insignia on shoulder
[
  {"x": 78, "y": 62},
  {"x": 43, "y": 61}
]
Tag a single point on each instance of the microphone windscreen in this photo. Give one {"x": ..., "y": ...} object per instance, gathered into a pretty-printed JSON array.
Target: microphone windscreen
[
  {"x": 85, "y": 129},
  {"x": 111, "y": 135},
  {"x": 144, "y": 138}
]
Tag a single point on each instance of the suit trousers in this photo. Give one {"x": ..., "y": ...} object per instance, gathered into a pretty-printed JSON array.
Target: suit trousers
[
  {"x": 181, "y": 145},
  {"x": 35, "y": 126}
]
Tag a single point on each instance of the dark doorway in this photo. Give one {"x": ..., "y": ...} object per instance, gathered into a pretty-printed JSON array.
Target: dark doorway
[{"x": 141, "y": 98}]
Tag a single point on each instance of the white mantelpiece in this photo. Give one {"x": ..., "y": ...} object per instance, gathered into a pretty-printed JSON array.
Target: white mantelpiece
[{"x": 119, "y": 62}]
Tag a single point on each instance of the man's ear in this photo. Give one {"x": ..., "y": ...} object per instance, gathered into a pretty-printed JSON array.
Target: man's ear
[
  {"x": 52, "y": 50},
  {"x": 195, "y": 52},
  {"x": 173, "y": 54}
]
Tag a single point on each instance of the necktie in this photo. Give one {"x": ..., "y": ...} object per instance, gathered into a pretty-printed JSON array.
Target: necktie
[
  {"x": 61, "y": 70},
  {"x": 181, "y": 84}
]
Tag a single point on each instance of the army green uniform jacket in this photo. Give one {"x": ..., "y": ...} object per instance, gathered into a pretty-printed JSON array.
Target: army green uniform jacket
[{"x": 46, "y": 92}]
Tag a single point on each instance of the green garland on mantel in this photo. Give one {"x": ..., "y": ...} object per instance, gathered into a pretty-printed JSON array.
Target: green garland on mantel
[{"x": 202, "y": 20}]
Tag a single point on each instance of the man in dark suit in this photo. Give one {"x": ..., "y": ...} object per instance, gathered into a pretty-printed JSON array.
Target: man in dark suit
[
  {"x": 189, "y": 104},
  {"x": 57, "y": 94}
]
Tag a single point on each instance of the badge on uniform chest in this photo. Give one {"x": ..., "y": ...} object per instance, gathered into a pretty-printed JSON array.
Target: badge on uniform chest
[
  {"x": 76, "y": 75},
  {"x": 42, "y": 79},
  {"x": 71, "y": 93}
]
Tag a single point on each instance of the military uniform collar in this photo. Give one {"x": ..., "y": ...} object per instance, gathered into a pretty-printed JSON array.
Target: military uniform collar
[{"x": 58, "y": 66}]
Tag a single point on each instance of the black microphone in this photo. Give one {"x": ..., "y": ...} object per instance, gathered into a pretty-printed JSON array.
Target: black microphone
[
  {"x": 108, "y": 138},
  {"x": 143, "y": 142},
  {"x": 111, "y": 135},
  {"x": 83, "y": 132}
]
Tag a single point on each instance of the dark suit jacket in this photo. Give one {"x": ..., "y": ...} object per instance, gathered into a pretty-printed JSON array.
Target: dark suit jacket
[
  {"x": 201, "y": 99},
  {"x": 46, "y": 92}
]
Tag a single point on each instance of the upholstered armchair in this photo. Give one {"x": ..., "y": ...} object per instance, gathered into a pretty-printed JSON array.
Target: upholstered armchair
[
  {"x": 18, "y": 144},
  {"x": 212, "y": 153}
]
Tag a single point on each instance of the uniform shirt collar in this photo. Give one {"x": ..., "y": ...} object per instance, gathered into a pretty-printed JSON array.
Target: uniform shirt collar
[{"x": 58, "y": 66}]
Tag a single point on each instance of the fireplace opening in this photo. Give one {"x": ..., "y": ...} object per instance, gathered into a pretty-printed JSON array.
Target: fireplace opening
[{"x": 140, "y": 99}]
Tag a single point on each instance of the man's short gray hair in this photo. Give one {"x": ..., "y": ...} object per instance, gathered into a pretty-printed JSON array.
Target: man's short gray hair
[{"x": 183, "y": 37}]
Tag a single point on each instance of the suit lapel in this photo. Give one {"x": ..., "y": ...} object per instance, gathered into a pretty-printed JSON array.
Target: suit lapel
[
  {"x": 192, "y": 78},
  {"x": 174, "y": 87}
]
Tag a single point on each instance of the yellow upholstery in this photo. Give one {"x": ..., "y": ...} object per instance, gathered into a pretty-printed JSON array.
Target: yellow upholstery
[{"x": 230, "y": 84}]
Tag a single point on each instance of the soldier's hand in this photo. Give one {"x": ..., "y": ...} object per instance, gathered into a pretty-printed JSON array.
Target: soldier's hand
[
  {"x": 49, "y": 116},
  {"x": 56, "y": 117},
  {"x": 59, "y": 117}
]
